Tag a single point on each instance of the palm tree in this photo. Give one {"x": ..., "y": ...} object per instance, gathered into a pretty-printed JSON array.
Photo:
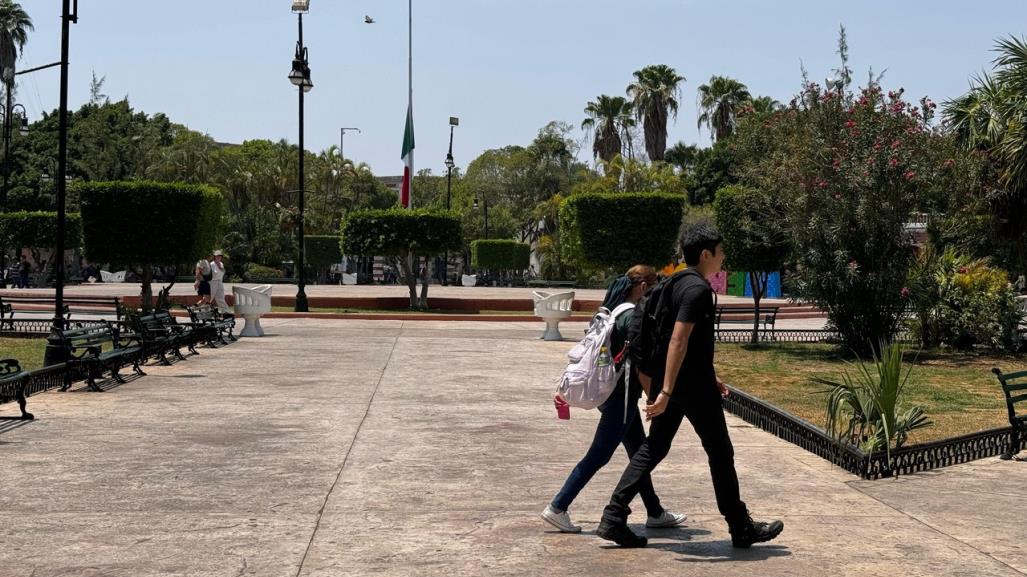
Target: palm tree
[
  {"x": 682, "y": 155},
  {"x": 719, "y": 102},
  {"x": 992, "y": 118},
  {"x": 654, "y": 95},
  {"x": 608, "y": 118},
  {"x": 14, "y": 27},
  {"x": 765, "y": 104}
]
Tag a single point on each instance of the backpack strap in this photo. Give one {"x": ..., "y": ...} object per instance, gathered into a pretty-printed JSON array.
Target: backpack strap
[{"x": 621, "y": 309}]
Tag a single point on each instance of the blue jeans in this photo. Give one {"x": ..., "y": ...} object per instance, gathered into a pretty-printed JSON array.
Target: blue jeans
[{"x": 611, "y": 432}]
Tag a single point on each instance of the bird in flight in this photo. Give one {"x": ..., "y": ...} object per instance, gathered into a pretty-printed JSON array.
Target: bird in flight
[{"x": 368, "y": 20}]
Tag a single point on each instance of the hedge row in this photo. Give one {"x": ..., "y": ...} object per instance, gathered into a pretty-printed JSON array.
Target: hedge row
[
  {"x": 322, "y": 250},
  {"x": 38, "y": 230},
  {"x": 500, "y": 254},
  {"x": 619, "y": 230}
]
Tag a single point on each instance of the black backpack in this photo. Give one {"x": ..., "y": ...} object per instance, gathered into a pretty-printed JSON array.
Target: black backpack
[{"x": 651, "y": 327}]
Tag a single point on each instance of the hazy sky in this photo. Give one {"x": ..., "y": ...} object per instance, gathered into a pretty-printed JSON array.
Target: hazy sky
[{"x": 505, "y": 67}]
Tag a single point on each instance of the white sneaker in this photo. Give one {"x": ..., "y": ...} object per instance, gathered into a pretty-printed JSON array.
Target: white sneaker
[
  {"x": 561, "y": 521},
  {"x": 666, "y": 520}
]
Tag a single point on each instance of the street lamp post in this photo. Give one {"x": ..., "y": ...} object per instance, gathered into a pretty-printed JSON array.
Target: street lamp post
[
  {"x": 453, "y": 123},
  {"x": 8, "y": 128},
  {"x": 342, "y": 140},
  {"x": 485, "y": 203},
  {"x": 23, "y": 128},
  {"x": 300, "y": 77},
  {"x": 54, "y": 352}
]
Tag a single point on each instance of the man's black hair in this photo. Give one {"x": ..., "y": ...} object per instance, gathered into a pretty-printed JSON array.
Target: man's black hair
[{"x": 696, "y": 238}]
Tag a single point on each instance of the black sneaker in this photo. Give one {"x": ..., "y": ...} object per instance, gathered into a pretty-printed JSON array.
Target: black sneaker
[
  {"x": 620, "y": 534},
  {"x": 755, "y": 532}
]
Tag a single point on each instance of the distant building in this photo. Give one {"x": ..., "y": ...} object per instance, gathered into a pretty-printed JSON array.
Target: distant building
[{"x": 393, "y": 182}]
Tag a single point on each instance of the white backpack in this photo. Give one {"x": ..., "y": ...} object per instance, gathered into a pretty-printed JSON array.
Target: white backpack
[{"x": 591, "y": 374}]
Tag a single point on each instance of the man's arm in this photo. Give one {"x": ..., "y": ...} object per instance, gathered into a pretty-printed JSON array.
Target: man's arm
[{"x": 676, "y": 353}]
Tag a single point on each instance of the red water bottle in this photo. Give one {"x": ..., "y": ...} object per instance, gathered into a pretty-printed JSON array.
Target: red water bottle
[{"x": 563, "y": 410}]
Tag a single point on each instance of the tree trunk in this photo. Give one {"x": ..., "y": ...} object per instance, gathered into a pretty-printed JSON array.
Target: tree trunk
[
  {"x": 147, "y": 292},
  {"x": 425, "y": 279},
  {"x": 407, "y": 263},
  {"x": 759, "y": 286}
]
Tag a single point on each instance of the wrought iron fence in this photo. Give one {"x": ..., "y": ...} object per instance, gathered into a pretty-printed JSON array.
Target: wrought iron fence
[
  {"x": 912, "y": 459},
  {"x": 35, "y": 327}
]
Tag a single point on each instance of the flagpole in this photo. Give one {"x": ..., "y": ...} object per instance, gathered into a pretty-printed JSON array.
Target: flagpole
[{"x": 410, "y": 85}]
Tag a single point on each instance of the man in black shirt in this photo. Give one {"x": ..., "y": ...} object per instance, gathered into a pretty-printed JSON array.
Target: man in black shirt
[{"x": 688, "y": 387}]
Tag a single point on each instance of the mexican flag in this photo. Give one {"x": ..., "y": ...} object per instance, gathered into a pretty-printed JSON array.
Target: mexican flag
[{"x": 408, "y": 159}]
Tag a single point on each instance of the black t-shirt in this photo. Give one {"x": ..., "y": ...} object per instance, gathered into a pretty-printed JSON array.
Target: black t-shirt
[{"x": 693, "y": 302}]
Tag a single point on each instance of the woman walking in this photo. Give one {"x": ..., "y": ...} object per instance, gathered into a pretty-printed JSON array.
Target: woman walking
[{"x": 614, "y": 427}]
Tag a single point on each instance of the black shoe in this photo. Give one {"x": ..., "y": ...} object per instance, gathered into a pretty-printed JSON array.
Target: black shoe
[
  {"x": 755, "y": 532},
  {"x": 620, "y": 534}
]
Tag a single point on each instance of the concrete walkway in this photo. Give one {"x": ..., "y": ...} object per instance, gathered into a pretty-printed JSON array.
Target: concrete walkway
[{"x": 335, "y": 448}]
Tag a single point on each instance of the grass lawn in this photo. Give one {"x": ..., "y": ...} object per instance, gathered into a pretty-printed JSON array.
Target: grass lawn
[
  {"x": 957, "y": 390},
  {"x": 28, "y": 352}
]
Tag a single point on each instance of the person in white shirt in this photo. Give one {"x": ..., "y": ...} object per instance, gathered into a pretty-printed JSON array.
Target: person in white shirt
[{"x": 217, "y": 282}]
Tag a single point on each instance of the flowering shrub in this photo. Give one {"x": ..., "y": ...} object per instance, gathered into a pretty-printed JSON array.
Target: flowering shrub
[
  {"x": 852, "y": 168},
  {"x": 962, "y": 302}
]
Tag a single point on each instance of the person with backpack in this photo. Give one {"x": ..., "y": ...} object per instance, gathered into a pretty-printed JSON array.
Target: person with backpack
[
  {"x": 617, "y": 424},
  {"x": 674, "y": 347}
]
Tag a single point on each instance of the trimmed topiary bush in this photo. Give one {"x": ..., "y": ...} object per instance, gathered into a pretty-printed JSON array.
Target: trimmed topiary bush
[
  {"x": 403, "y": 233},
  {"x": 618, "y": 230},
  {"x": 144, "y": 224},
  {"x": 323, "y": 250},
  {"x": 500, "y": 254}
]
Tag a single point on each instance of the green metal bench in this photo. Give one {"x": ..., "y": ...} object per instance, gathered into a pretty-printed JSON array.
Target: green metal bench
[
  {"x": 84, "y": 347},
  {"x": 12, "y": 385},
  {"x": 208, "y": 316},
  {"x": 1014, "y": 386}
]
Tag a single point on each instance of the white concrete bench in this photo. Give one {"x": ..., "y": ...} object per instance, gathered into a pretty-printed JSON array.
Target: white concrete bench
[
  {"x": 469, "y": 279},
  {"x": 250, "y": 304},
  {"x": 553, "y": 308},
  {"x": 107, "y": 276}
]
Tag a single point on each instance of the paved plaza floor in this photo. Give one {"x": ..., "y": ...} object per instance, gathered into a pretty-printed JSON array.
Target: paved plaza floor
[{"x": 337, "y": 448}]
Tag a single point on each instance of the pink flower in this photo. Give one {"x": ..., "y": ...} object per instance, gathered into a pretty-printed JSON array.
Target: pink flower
[
  {"x": 910, "y": 175},
  {"x": 962, "y": 270},
  {"x": 850, "y": 123},
  {"x": 948, "y": 162},
  {"x": 893, "y": 162},
  {"x": 905, "y": 293},
  {"x": 837, "y": 196},
  {"x": 853, "y": 265}
]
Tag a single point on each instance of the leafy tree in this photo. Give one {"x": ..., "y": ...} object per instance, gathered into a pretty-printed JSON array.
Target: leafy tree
[
  {"x": 720, "y": 101},
  {"x": 405, "y": 234},
  {"x": 756, "y": 238},
  {"x": 654, "y": 98},
  {"x": 713, "y": 168},
  {"x": 608, "y": 117}
]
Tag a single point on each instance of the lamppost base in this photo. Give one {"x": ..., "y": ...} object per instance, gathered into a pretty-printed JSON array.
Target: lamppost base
[
  {"x": 301, "y": 302},
  {"x": 55, "y": 353}
]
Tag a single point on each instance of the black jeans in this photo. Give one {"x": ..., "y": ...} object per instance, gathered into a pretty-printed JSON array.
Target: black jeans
[
  {"x": 707, "y": 418},
  {"x": 611, "y": 432}
]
